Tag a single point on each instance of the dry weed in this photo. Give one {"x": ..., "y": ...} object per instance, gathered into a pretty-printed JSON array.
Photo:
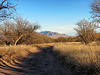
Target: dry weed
[{"x": 79, "y": 57}]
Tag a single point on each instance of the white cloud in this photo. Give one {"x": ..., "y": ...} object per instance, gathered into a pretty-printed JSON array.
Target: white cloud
[
  {"x": 98, "y": 30},
  {"x": 64, "y": 29}
]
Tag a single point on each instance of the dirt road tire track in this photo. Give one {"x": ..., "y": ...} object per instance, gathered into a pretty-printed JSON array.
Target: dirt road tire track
[{"x": 42, "y": 63}]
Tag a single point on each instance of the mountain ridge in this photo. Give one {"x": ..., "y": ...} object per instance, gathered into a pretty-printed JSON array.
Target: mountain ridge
[{"x": 53, "y": 34}]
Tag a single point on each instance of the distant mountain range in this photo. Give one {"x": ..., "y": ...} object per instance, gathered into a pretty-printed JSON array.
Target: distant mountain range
[{"x": 54, "y": 34}]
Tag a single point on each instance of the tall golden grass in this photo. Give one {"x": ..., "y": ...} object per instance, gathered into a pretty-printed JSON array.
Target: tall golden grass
[
  {"x": 82, "y": 59},
  {"x": 11, "y": 53}
]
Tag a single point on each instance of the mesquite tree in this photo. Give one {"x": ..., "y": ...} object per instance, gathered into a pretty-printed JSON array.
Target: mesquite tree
[
  {"x": 85, "y": 31},
  {"x": 12, "y": 32}
]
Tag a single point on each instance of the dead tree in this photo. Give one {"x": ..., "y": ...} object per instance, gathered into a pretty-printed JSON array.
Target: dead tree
[
  {"x": 95, "y": 6},
  {"x": 7, "y": 9}
]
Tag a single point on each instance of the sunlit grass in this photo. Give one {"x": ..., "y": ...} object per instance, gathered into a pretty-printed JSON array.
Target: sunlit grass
[
  {"x": 10, "y": 53},
  {"x": 79, "y": 55}
]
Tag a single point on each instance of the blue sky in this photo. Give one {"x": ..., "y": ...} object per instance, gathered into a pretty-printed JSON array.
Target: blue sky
[{"x": 55, "y": 15}]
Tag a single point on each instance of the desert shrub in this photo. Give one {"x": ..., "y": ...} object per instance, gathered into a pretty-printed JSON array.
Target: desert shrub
[
  {"x": 73, "y": 39},
  {"x": 98, "y": 38},
  {"x": 36, "y": 38},
  {"x": 61, "y": 39}
]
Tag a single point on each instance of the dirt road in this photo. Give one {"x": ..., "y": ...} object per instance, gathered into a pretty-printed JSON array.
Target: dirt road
[{"x": 41, "y": 63}]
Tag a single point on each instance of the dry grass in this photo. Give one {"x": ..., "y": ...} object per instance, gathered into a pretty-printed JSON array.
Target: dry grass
[
  {"x": 11, "y": 53},
  {"x": 82, "y": 59},
  {"x": 43, "y": 45}
]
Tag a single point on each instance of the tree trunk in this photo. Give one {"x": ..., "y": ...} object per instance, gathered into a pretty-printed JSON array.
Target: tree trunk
[{"x": 18, "y": 39}]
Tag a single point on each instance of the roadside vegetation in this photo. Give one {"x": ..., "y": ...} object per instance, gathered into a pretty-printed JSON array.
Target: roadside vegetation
[
  {"x": 81, "y": 53},
  {"x": 12, "y": 53},
  {"x": 81, "y": 59}
]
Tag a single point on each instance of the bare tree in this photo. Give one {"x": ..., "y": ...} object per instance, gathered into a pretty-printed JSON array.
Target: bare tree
[
  {"x": 85, "y": 31},
  {"x": 95, "y": 6},
  {"x": 14, "y": 31},
  {"x": 7, "y": 9}
]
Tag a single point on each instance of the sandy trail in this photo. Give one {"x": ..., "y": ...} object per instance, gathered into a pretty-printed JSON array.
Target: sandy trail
[{"x": 42, "y": 63}]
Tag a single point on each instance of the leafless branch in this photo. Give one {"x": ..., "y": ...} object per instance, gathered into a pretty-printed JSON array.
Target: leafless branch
[{"x": 6, "y": 9}]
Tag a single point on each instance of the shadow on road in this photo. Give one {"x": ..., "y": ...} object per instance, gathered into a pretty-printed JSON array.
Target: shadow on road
[{"x": 40, "y": 63}]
